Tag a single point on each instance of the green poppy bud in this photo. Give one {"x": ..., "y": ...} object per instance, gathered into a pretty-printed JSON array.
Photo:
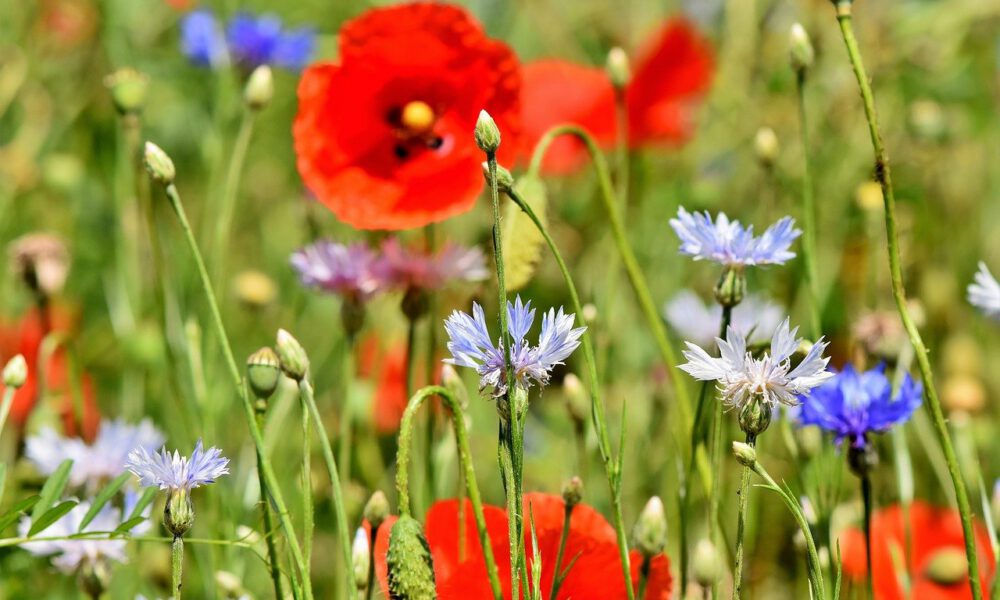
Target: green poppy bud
[
  {"x": 705, "y": 564},
  {"x": 505, "y": 181},
  {"x": 411, "y": 568},
  {"x": 263, "y": 372},
  {"x": 947, "y": 566},
  {"x": 376, "y": 509}
]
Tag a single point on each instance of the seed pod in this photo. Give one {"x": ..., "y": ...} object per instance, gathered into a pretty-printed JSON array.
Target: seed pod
[{"x": 263, "y": 372}]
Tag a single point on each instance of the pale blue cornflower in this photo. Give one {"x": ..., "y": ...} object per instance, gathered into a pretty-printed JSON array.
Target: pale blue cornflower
[
  {"x": 770, "y": 379},
  {"x": 470, "y": 345},
  {"x": 755, "y": 318},
  {"x": 347, "y": 270},
  {"x": 853, "y": 405},
  {"x": 171, "y": 471},
  {"x": 729, "y": 243},
  {"x": 984, "y": 292},
  {"x": 96, "y": 463}
]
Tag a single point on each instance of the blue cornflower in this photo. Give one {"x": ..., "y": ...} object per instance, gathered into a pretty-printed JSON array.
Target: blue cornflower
[
  {"x": 852, "y": 404},
  {"x": 202, "y": 40},
  {"x": 260, "y": 40},
  {"x": 729, "y": 243},
  {"x": 171, "y": 471},
  {"x": 984, "y": 293},
  {"x": 470, "y": 345}
]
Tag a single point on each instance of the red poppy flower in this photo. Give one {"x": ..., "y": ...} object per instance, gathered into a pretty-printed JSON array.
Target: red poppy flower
[
  {"x": 670, "y": 75},
  {"x": 384, "y": 136},
  {"x": 26, "y": 338},
  {"x": 386, "y": 367},
  {"x": 595, "y": 575},
  {"x": 935, "y": 533}
]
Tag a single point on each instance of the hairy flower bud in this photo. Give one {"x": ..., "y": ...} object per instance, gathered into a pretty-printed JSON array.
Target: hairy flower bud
[
  {"x": 755, "y": 416},
  {"x": 376, "y": 509},
  {"x": 745, "y": 454},
  {"x": 650, "y": 532},
  {"x": 158, "y": 164},
  {"x": 800, "y": 49},
  {"x": 263, "y": 372},
  {"x": 731, "y": 287},
  {"x": 15, "y": 372},
  {"x": 618, "y": 69},
  {"x": 259, "y": 88},
  {"x": 572, "y": 491},
  {"x": 291, "y": 354},
  {"x": 505, "y": 181},
  {"x": 705, "y": 563},
  {"x": 361, "y": 558},
  {"x": 487, "y": 133},
  {"x": 411, "y": 568},
  {"x": 178, "y": 514},
  {"x": 128, "y": 89}
]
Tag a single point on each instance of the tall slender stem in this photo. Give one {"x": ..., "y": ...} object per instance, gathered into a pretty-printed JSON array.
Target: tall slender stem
[
  {"x": 272, "y": 549},
  {"x": 611, "y": 469},
  {"x": 465, "y": 458},
  {"x": 557, "y": 579},
  {"x": 866, "y": 498},
  {"x": 176, "y": 566},
  {"x": 344, "y": 443},
  {"x": 741, "y": 525},
  {"x": 343, "y": 532},
  {"x": 883, "y": 174},
  {"x": 227, "y": 208},
  {"x": 8, "y": 399},
  {"x": 308, "y": 510},
  {"x": 270, "y": 480},
  {"x": 808, "y": 210},
  {"x": 716, "y": 459}
]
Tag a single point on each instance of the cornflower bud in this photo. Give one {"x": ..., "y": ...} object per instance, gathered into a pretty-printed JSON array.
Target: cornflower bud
[
  {"x": 487, "y": 133},
  {"x": 178, "y": 513},
  {"x": 800, "y": 49},
  {"x": 376, "y": 509},
  {"x": 293, "y": 358},
  {"x": 505, "y": 181},
  {"x": 650, "y": 533},
  {"x": 158, "y": 164},
  {"x": 755, "y": 416},
  {"x": 411, "y": 568},
  {"x": 263, "y": 372},
  {"x": 731, "y": 287},
  {"x": 745, "y": 454},
  {"x": 361, "y": 558},
  {"x": 259, "y": 88},
  {"x": 15, "y": 372},
  {"x": 572, "y": 492},
  {"x": 618, "y": 69}
]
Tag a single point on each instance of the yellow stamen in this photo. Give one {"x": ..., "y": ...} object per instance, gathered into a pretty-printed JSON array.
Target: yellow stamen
[{"x": 417, "y": 117}]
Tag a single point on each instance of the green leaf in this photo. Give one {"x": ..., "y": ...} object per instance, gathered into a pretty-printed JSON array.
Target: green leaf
[
  {"x": 147, "y": 497},
  {"x": 50, "y": 516},
  {"x": 103, "y": 497},
  {"x": 52, "y": 489},
  {"x": 128, "y": 525},
  {"x": 522, "y": 242},
  {"x": 23, "y": 506}
]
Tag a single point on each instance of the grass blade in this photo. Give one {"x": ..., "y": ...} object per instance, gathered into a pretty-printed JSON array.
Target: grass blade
[{"x": 52, "y": 489}]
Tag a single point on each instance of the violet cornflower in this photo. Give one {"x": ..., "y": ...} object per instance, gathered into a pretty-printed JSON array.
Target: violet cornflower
[
  {"x": 345, "y": 270},
  {"x": 406, "y": 268}
]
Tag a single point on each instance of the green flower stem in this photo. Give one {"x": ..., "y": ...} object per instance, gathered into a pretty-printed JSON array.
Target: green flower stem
[
  {"x": 465, "y": 458},
  {"x": 815, "y": 570},
  {"x": 884, "y": 176},
  {"x": 8, "y": 399},
  {"x": 557, "y": 579},
  {"x": 621, "y": 148},
  {"x": 638, "y": 281},
  {"x": 344, "y": 444},
  {"x": 612, "y": 468},
  {"x": 272, "y": 549},
  {"x": 176, "y": 567},
  {"x": 808, "y": 211},
  {"x": 715, "y": 494},
  {"x": 343, "y": 532},
  {"x": 866, "y": 498},
  {"x": 741, "y": 525},
  {"x": 430, "y": 425},
  {"x": 270, "y": 481},
  {"x": 308, "y": 510},
  {"x": 227, "y": 208}
]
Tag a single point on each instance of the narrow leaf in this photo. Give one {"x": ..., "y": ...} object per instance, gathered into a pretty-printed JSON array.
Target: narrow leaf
[
  {"x": 3, "y": 478},
  {"x": 23, "y": 506},
  {"x": 127, "y": 526},
  {"x": 522, "y": 242},
  {"x": 147, "y": 497},
  {"x": 52, "y": 489},
  {"x": 50, "y": 516},
  {"x": 103, "y": 497}
]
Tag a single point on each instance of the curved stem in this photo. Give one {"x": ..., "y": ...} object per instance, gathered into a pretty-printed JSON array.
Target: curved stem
[
  {"x": 176, "y": 566},
  {"x": 866, "y": 498},
  {"x": 611, "y": 469},
  {"x": 741, "y": 526},
  {"x": 465, "y": 458},
  {"x": 270, "y": 480},
  {"x": 343, "y": 532},
  {"x": 272, "y": 550},
  {"x": 808, "y": 211},
  {"x": 636, "y": 278},
  {"x": 227, "y": 207},
  {"x": 884, "y": 176}
]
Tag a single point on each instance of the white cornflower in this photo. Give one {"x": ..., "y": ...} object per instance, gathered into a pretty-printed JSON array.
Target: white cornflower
[
  {"x": 985, "y": 292},
  {"x": 770, "y": 378},
  {"x": 171, "y": 471}
]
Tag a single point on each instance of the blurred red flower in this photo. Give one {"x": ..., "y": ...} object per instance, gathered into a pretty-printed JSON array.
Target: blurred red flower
[
  {"x": 596, "y": 573},
  {"x": 384, "y": 135},
  {"x": 936, "y": 536},
  {"x": 26, "y": 338},
  {"x": 670, "y": 75},
  {"x": 386, "y": 367}
]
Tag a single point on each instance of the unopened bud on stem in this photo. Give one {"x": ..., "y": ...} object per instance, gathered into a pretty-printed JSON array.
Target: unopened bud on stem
[
  {"x": 263, "y": 372},
  {"x": 618, "y": 69},
  {"x": 650, "y": 533},
  {"x": 572, "y": 491},
  {"x": 361, "y": 558},
  {"x": 487, "y": 133},
  {"x": 800, "y": 49},
  {"x": 15, "y": 373},
  {"x": 158, "y": 164},
  {"x": 376, "y": 509},
  {"x": 745, "y": 454},
  {"x": 259, "y": 88},
  {"x": 293, "y": 357},
  {"x": 505, "y": 181}
]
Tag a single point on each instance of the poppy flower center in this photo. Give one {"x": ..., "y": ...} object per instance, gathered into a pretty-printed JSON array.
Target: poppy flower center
[{"x": 417, "y": 118}]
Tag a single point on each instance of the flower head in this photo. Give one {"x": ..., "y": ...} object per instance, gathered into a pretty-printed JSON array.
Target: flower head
[
  {"x": 755, "y": 318},
  {"x": 770, "y": 378},
  {"x": 175, "y": 472},
  {"x": 72, "y": 554},
  {"x": 202, "y": 40},
  {"x": 729, "y": 243},
  {"x": 984, "y": 293},
  {"x": 384, "y": 135},
  {"x": 470, "y": 345},
  {"x": 590, "y": 546},
  {"x": 263, "y": 40},
  {"x": 342, "y": 269},
  {"x": 852, "y": 404},
  {"x": 93, "y": 463},
  {"x": 671, "y": 73},
  {"x": 407, "y": 268}
]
